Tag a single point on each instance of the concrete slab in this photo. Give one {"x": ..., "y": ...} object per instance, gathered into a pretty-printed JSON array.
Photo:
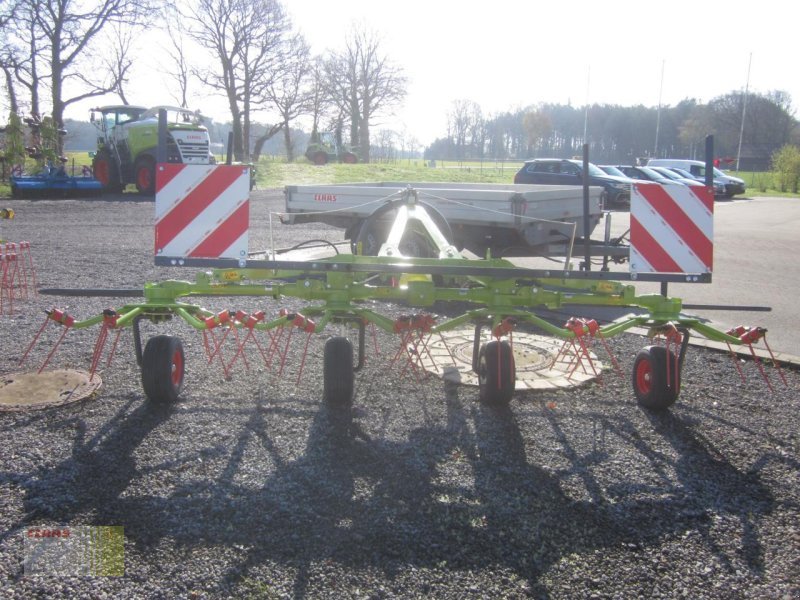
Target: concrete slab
[{"x": 32, "y": 391}]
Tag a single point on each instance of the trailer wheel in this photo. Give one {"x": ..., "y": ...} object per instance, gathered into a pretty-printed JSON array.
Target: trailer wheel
[
  {"x": 106, "y": 172},
  {"x": 319, "y": 158},
  {"x": 144, "y": 172},
  {"x": 162, "y": 369},
  {"x": 496, "y": 373},
  {"x": 338, "y": 374},
  {"x": 656, "y": 378}
]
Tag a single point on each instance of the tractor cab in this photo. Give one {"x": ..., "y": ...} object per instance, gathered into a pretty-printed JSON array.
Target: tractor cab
[{"x": 111, "y": 116}]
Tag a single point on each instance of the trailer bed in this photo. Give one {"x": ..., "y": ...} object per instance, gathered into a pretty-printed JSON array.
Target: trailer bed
[{"x": 508, "y": 218}]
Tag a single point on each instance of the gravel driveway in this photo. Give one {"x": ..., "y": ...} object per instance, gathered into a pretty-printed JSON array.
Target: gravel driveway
[{"x": 253, "y": 488}]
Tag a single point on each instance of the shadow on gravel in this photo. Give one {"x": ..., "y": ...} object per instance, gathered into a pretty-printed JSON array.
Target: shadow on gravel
[{"x": 362, "y": 503}]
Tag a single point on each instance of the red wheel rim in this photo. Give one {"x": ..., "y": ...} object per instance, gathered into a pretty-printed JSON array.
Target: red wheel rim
[
  {"x": 101, "y": 172},
  {"x": 177, "y": 369},
  {"x": 143, "y": 178},
  {"x": 644, "y": 376}
]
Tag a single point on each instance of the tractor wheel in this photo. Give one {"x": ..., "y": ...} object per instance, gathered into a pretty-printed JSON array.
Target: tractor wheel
[
  {"x": 162, "y": 369},
  {"x": 656, "y": 378},
  {"x": 144, "y": 172},
  {"x": 349, "y": 158},
  {"x": 105, "y": 170},
  {"x": 497, "y": 373},
  {"x": 338, "y": 374},
  {"x": 319, "y": 158}
]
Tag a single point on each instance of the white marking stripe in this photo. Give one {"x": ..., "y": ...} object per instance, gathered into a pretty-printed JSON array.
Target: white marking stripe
[
  {"x": 666, "y": 226},
  {"x": 661, "y": 231},
  {"x": 201, "y": 227},
  {"x": 237, "y": 249},
  {"x": 181, "y": 186},
  {"x": 693, "y": 206},
  {"x": 176, "y": 212},
  {"x": 638, "y": 262}
]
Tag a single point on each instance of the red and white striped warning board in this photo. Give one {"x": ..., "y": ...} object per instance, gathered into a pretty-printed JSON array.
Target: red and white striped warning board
[
  {"x": 672, "y": 229},
  {"x": 202, "y": 211}
]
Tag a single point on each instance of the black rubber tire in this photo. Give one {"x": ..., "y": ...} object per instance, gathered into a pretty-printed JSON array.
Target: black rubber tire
[
  {"x": 163, "y": 363},
  {"x": 144, "y": 175},
  {"x": 106, "y": 171},
  {"x": 497, "y": 374},
  {"x": 338, "y": 375},
  {"x": 653, "y": 389}
]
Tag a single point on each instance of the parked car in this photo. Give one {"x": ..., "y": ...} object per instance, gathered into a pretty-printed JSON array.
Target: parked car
[
  {"x": 559, "y": 171},
  {"x": 697, "y": 169},
  {"x": 612, "y": 170},
  {"x": 719, "y": 185},
  {"x": 670, "y": 174},
  {"x": 646, "y": 174}
]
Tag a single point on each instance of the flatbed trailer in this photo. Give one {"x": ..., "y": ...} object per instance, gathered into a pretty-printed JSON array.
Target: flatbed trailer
[{"x": 501, "y": 219}]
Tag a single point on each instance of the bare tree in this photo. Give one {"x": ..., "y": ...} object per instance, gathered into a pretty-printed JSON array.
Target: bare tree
[
  {"x": 63, "y": 35},
  {"x": 364, "y": 83},
  {"x": 118, "y": 61},
  {"x": 341, "y": 83},
  {"x": 247, "y": 38},
  {"x": 292, "y": 92},
  {"x": 6, "y": 14},
  {"x": 178, "y": 65},
  {"x": 20, "y": 54},
  {"x": 319, "y": 102}
]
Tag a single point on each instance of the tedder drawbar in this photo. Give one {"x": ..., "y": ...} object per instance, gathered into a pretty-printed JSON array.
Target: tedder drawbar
[{"x": 202, "y": 221}]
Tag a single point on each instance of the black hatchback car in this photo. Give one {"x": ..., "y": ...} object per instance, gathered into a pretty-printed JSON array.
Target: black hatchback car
[{"x": 560, "y": 171}]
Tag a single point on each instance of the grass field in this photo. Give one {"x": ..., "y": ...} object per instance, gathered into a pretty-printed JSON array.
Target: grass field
[{"x": 276, "y": 173}]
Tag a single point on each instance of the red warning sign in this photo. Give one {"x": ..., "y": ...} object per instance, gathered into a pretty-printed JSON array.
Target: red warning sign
[
  {"x": 202, "y": 211},
  {"x": 672, "y": 229}
]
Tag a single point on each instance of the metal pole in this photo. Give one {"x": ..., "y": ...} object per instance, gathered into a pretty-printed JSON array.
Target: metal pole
[
  {"x": 229, "y": 155},
  {"x": 658, "y": 113},
  {"x": 587, "y": 253},
  {"x": 744, "y": 109},
  {"x": 710, "y": 161},
  {"x": 161, "y": 151},
  {"x": 586, "y": 111}
]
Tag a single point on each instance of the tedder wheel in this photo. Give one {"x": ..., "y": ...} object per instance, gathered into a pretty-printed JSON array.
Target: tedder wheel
[
  {"x": 145, "y": 175},
  {"x": 497, "y": 374},
  {"x": 105, "y": 171},
  {"x": 162, "y": 369},
  {"x": 338, "y": 372},
  {"x": 656, "y": 383}
]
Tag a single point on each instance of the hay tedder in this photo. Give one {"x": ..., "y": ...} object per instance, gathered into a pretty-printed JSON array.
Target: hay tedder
[{"x": 202, "y": 222}]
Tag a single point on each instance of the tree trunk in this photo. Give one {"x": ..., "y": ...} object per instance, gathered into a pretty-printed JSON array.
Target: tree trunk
[
  {"x": 236, "y": 123},
  {"x": 246, "y": 131},
  {"x": 287, "y": 142},
  {"x": 58, "y": 103},
  {"x": 363, "y": 141},
  {"x": 260, "y": 141},
  {"x": 13, "y": 105}
]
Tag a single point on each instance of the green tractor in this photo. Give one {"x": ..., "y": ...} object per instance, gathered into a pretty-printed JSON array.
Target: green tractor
[
  {"x": 127, "y": 144},
  {"x": 326, "y": 147}
]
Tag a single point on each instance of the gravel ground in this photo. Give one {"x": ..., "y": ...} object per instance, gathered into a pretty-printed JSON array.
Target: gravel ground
[{"x": 253, "y": 488}]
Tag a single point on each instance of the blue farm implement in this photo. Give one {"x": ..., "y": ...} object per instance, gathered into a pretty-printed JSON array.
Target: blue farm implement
[{"x": 54, "y": 183}]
